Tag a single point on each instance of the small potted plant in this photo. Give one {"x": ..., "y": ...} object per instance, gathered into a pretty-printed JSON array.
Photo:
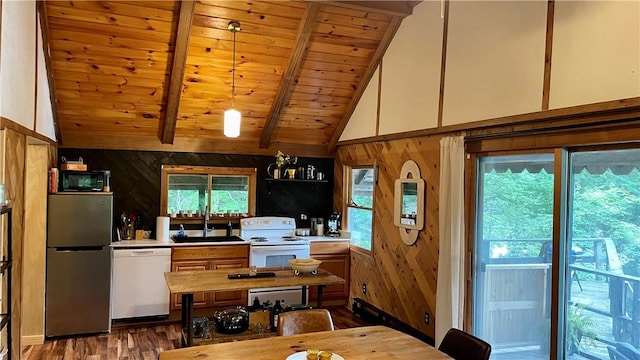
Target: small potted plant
[
  {"x": 281, "y": 160},
  {"x": 580, "y": 327}
]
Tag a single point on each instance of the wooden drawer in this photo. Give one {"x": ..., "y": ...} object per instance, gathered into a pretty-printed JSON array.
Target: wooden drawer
[
  {"x": 209, "y": 252},
  {"x": 329, "y": 247}
]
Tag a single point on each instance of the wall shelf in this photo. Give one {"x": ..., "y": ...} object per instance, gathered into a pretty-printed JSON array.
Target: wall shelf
[
  {"x": 5, "y": 270},
  {"x": 312, "y": 182},
  {"x": 296, "y": 180}
]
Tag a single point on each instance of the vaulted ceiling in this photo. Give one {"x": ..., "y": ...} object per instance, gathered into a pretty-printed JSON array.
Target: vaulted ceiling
[{"x": 156, "y": 75}]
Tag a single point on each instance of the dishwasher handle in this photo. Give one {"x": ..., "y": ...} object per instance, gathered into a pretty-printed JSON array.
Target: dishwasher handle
[
  {"x": 142, "y": 252},
  {"x": 121, "y": 253}
]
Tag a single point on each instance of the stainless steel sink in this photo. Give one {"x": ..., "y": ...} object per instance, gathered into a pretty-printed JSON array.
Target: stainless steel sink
[{"x": 189, "y": 239}]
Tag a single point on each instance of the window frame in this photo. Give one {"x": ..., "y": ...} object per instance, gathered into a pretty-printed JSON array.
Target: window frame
[
  {"x": 209, "y": 171},
  {"x": 347, "y": 200}
]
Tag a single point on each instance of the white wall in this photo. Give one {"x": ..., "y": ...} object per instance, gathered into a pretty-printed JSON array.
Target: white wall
[
  {"x": 44, "y": 112},
  {"x": 495, "y": 62},
  {"x": 596, "y": 52},
  {"x": 495, "y": 59},
  {"x": 363, "y": 120},
  {"x": 18, "y": 62},
  {"x": 411, "y": 72}
]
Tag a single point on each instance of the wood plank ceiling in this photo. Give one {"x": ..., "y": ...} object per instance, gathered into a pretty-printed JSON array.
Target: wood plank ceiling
[{"x": 156, "y": 75}]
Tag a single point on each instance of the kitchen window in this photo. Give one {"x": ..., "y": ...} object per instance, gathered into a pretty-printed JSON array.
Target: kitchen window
[
  {"x": 359, "y": 204},
  {"x": 226, "y": 192}
]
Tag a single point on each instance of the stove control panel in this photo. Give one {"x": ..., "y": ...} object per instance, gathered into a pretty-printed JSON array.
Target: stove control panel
[{"x": 268, "y": 222}]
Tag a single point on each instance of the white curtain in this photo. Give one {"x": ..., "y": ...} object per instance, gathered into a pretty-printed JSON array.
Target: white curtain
[{"x": 450, "y": 287}]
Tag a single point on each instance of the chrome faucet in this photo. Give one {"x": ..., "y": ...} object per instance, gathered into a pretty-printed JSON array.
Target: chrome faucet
[{"x": 206, "y": 219}]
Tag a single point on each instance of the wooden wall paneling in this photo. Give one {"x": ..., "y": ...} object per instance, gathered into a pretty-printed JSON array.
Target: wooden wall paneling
[
  {"x": 401, "y": 279},
  {"x": 546, "y": 86},
  {"x": 35, "y": 238},
  {"x": 14, "y": 167},
  {"x": 443, "y": 65},
  {"x": 3, "y": 227},
  {"x": 90, "y": 140}
]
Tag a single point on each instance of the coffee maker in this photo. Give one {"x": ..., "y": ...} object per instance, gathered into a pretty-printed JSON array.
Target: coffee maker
[{"x": 334, "y": 224}]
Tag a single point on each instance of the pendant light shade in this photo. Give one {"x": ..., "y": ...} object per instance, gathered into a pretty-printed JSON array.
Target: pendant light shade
[{"x": 232, "y": 117}]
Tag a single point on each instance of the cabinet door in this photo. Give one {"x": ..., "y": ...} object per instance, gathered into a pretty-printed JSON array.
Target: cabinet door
[
  {"x": 199, "y": 298},
  {"x": 337, "y": 264},
  {"x": 228, "y": 298}
]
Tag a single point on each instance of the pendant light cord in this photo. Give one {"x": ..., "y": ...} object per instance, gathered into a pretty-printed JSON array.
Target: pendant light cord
[{"x": 233, "y": 74}]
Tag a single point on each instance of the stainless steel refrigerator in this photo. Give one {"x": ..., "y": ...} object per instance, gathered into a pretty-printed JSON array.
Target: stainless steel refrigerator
[{"x": 78, "y": 263}]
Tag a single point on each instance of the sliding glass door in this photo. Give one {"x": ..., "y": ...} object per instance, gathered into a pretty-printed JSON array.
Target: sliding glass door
[
  {"x": 598, "y": 228},
  {"x": 514, "y": 227},
  {"x": 603, "y": 267}
]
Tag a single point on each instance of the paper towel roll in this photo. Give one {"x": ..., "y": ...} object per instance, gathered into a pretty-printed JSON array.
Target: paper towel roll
[{"x": 162, "y": 228}]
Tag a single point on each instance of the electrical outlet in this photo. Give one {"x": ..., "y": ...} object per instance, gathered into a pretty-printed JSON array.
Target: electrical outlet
[
  {"x": 364, "y": 289},
  {"x": 426, "y": 318}
]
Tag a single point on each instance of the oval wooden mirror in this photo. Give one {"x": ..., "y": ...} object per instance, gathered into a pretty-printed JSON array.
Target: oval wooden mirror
[{"x": 408, "y": 212}]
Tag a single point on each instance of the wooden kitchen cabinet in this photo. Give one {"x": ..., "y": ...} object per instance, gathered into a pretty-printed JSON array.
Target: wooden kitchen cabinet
[
  {"x": 210, "y": 258},
  {"x": 200, "y": 298},
  {"x": 229, "y": 298},
  {"x": 335, "y": 259}
]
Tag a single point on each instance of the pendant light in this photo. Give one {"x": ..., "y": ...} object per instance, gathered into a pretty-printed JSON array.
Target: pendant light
[{"x": 232, "y": 116}]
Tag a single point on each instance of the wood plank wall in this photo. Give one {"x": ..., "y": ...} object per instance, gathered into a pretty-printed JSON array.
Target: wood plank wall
[
  {"x": 136, "y": 181},
  {"x": 400, "y": 279},
  {"x": 14, "y": 166},
  {"x": 35, "y": 239}
]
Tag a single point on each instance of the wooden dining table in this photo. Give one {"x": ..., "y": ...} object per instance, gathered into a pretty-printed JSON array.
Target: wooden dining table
[
  {"x": 361, "y": 343},
  {"x": 188, "y": 282}
]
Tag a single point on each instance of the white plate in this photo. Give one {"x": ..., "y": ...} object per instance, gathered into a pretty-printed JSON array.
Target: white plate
[{"x": 302, "y": 355}]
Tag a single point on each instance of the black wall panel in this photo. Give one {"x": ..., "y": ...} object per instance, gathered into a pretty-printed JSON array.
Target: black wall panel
[{"x": 135, "y": 181}]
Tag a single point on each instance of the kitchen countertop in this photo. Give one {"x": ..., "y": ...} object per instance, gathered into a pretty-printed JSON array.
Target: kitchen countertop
[
  {"x": 325, "y": 238},
  {"x": 171, "y": 243}
]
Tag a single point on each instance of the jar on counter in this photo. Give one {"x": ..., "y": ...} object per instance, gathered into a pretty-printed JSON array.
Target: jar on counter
[{"x": 319, "y": 227}]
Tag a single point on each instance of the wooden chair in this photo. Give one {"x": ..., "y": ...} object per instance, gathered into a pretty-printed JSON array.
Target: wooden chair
[
  {"x": 304, "y": 321},
  {"x": 462, "y": 346}
]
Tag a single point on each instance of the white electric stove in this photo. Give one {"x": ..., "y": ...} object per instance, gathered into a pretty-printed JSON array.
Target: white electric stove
[{"x": 273, "y": 244}]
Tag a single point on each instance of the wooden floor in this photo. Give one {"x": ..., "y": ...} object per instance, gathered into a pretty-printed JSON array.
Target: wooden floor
[{"x": 137, "y": 342}]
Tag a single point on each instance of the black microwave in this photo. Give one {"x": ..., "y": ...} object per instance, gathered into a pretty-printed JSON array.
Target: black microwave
[{"x": 84, "y": 180}]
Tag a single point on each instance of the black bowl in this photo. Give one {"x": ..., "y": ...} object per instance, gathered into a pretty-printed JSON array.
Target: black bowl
[{"x": 231, "y": 320}]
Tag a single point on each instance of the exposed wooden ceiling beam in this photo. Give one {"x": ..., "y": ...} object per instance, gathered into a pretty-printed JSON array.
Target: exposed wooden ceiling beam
[
  {"x": 168, "y": 124},
  {"x": 292, "y": 70},
  {"x": 375, "y": 60},
  {"x": 44, "y": 25},
  {"x": 93, "y": 140},
  {"x": 394, "y": 8}
]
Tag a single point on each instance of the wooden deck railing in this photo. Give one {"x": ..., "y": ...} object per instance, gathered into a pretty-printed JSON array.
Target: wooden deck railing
[
  {"x": 624, "y": 304},
  {"x": 618, "y": 294}
]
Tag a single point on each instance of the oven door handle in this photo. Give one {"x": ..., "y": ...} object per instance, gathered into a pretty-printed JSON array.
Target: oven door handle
[{"x": 275, "y": 248}]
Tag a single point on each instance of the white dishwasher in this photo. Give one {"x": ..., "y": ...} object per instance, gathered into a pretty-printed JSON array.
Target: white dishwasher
[{"x": 138, "y": 284}]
